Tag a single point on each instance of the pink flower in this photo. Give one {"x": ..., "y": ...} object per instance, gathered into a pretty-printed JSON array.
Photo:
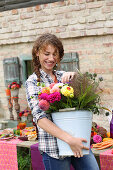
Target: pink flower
[
  {"x": 54, "y": 89},
  {"x": 25, "y": 114},
  {"x": 51, "y": 85},
  {"x": 97, "y": 138},
  {"x": 97, "y": 126},
  {"x": 44, "y": 96},
  {"x": 13, "y": 86},
  {"x": 44, "y": 105},
  {"x": 54, "y": 97}
]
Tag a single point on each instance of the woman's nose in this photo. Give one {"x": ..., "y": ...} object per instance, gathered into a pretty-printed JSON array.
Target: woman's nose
[{"x": 51, "y": 57}]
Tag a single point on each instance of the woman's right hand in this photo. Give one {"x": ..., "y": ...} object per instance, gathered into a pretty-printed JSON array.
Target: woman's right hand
[{"x": 76, "y": 146}]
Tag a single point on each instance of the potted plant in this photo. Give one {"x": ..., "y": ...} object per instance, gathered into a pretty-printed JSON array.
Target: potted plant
[
  {"x": 14, "y": 87},
  {"x": 72, "y": 106},
  {"x": 23, "y": 118}
]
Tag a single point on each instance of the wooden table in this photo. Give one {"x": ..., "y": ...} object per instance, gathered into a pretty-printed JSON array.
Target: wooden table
[
  {"x": 26, "y": 144},
  {"x": 97, "y": 152}
]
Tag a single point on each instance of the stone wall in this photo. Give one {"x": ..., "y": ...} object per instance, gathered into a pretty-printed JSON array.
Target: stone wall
[{"x": 84, "y": 26}]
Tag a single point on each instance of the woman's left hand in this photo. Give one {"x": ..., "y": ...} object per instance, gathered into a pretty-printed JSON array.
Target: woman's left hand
[{"x": 68, "y": 76}]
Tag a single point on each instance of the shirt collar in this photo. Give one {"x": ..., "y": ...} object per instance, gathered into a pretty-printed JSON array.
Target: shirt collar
[{"x": 43, "y": 73}]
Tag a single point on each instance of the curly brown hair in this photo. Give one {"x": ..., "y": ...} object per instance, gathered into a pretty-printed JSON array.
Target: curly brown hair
[{"x": 40, "y": 44}]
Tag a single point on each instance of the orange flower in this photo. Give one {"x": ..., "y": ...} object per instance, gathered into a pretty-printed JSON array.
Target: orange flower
[
  {"x": 95, "y": 133},
  {"x": 46, "y": 90}
]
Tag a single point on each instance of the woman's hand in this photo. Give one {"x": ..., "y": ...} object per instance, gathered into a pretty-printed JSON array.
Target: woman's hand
[
  {"x": 68, "y": 76},
  {"x": 76, "y": 146}
]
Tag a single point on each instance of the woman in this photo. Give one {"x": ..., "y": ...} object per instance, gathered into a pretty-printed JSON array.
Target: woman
[{"x": 46, "y": 53}]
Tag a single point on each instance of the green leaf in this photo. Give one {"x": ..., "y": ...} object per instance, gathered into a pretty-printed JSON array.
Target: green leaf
[{"x": 82, "y": 97}]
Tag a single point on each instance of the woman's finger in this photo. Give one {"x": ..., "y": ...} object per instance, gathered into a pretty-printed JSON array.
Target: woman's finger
[
  {"x": 65, "y": 79},
  {"x": 67, "y": 76},
  {"x": 75, "y": 154},
  {"x": 81, "y": 154},
  {"x": 84, "y": 140},
  {"x": 85, "y": 148},
  {"x": 78, "y": 154}
]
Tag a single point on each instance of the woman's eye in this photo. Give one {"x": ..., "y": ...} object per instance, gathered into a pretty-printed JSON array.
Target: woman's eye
[{"x": 46, "y": 54}]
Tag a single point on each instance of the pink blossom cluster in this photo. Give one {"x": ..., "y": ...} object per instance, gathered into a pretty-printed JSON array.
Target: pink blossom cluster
[
  {"x": 44, "y": 105},
  {"x": 49, "y": 95},
  {"x": 97, "y": 138},
  {"x": 56, "y": 96}
]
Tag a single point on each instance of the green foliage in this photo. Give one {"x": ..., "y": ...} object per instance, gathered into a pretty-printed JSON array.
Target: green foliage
[
  {"x": 86, "y": 91},
  {"x": 24, "y": 158}
]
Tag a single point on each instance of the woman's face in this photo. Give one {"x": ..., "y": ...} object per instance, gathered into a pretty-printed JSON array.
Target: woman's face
[{"x": 48, "y": 58}]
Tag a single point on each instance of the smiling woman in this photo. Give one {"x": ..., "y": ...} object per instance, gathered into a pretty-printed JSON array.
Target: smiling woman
[{"x": 46, "y": 53}]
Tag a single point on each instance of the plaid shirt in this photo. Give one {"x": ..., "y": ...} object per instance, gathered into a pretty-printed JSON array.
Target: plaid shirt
[{"x": 47, "y": 143}]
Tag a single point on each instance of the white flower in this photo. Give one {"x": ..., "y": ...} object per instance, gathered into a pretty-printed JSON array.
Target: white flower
[{"x": 59, "y": 85}]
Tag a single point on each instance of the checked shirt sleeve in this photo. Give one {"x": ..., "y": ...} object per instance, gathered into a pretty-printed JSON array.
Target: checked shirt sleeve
[{"x": 32, "y": 97}]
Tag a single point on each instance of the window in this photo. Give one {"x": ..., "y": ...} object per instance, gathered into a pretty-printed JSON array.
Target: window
[
  {"x": 26, "y": 67},
  {"x": 11, "y": 70}
]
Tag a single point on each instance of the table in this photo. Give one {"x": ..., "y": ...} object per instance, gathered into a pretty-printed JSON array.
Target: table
[
  {"x": 36, "y": 158},
  {"x": 26, "y": 144},
  {"x": 29, "y": 144}
]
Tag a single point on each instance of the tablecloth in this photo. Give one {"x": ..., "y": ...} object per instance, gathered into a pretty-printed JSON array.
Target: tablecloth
[
  {"x": 8, "y": 154},
  {"x": 106, "y": 160},
  {"x": 36, "y": 158}
]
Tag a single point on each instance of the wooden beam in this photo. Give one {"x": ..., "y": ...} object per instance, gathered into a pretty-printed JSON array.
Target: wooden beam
[{"x": 16, "y": 4}]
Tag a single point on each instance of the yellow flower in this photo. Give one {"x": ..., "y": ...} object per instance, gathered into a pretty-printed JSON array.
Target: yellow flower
[{"x": 67, "y": 91}]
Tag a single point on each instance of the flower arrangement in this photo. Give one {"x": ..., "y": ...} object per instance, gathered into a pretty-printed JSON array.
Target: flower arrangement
[
  {"x": 56, "y": 96},
  {"x": 23, "y": 118},
  {"x": 82, "y": 94},
  {"x": 14, "y": 85},
  {"x": 98, "y": 134},
  {"x": 24, "y": 113}
]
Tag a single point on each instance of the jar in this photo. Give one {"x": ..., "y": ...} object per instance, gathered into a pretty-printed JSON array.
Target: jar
[{"x": 23, "y": 122}]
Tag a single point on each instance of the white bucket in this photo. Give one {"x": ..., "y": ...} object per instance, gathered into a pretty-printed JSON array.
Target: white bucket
[{"x": 76, "y": 123}]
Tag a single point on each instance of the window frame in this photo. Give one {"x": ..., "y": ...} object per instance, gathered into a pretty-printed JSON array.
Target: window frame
[{"x": 23, "y": 59}]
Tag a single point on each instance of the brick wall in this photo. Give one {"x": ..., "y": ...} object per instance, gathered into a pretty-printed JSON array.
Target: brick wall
[
  {"x": 84, "y": 26},
  {"x": 66, "y": 19}
]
